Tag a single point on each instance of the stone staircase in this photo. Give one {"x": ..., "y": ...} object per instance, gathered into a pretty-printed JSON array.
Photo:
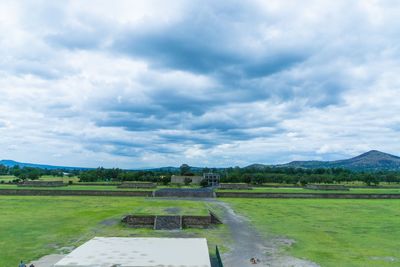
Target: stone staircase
[{"x": 168, "y": 222}]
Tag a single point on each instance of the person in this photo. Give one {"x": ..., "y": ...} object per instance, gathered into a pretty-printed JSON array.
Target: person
[
  {"x": 32, "y": 265},
  {"x": 22, "y": 264}
]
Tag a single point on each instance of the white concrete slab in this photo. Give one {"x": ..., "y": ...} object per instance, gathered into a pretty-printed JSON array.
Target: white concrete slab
[{"x": 139, "y": 252}]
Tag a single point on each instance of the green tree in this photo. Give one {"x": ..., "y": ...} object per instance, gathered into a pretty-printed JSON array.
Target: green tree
[
  {"x": 187, "y": 181},
  {"x": 184, "y": 169}
]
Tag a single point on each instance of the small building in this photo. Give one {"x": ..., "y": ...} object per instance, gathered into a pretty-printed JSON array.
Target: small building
[
  {"x": 139, "y": 252},
  {"x": 212, "y": 179},
  {"x": 140, "y": 185},
  {"x": 180, "y": 179}
]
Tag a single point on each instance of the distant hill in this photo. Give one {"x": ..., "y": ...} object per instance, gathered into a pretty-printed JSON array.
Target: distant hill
[
  {"x": 12, "y": 163},
  {"x": 370, "y": 161}
]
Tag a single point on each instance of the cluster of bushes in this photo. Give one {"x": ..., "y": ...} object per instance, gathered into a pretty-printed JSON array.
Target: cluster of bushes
[
  {"x": 30, "y": 173},
  {"x": 109, "y": 175}
]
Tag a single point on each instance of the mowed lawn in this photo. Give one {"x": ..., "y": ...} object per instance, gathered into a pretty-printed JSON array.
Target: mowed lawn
[
  {"x": 330, "y": 232},
  {"x": 372, "y": 190},
  {"x": 31, "y": 227}
]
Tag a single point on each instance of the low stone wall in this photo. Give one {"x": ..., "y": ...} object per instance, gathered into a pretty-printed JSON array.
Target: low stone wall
[
  {"x": 214, "y": 219},
  {"x": 184, "y": 192},
  {"x": 47, "y": 192},
  {"x": 137, "y": 185},
  {"x": 326, "y": 187},
  {"x": 306, "y": 195},
  {"x": 170, "y": 222},
  {"x": 139, "y": 221},
  {"x": 96, "y": 184},
  {"x": 196, "y": 221},
  {"x": 41, "y": 184},
  {"x": 235, "y": 186},
  {"x": 180, "y": 179}
]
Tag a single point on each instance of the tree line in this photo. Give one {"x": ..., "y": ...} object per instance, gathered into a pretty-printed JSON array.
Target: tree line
[{"x": 257, "y": 176}]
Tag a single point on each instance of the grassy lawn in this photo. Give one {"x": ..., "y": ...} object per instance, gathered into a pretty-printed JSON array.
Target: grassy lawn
[
  {"x": 301, "y": 190},
  {"x": 330, "y": 232},
  {"x": 31, "y": 227},
  {"x": 75, "y": 187},
  {"x": 165, "y": 208},
  {"x": 7, "y": 178},
  {"x": 74, "y": 179}
]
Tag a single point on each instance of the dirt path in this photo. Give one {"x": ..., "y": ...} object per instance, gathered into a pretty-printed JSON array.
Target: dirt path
[{"x": 248, "y": 243}]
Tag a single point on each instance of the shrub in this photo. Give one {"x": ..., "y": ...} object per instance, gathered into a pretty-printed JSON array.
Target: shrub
[
  {"x": 204, "y": 183},
  {"x": 187, "y": 181}
]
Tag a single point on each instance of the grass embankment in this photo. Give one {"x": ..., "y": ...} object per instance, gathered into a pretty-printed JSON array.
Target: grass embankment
[
  {"x": 31, "y": 227},
  {"x": 76, "y": 187},
  {"x": 302, "y": 190},
  {"x": 255, "y": 190},
  {"x": 66, "y": 179},
  {"x": 331, "y": 232}
]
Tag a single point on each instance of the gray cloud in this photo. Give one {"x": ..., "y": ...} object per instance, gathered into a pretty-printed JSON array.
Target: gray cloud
[{"x": 208, "y": 83}]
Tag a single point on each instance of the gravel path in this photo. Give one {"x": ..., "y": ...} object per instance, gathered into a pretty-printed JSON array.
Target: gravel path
[{"x": 248, "y": 243}]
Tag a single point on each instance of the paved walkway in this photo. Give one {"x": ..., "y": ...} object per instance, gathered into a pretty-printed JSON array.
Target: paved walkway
[{"x": 47, "y": 261}]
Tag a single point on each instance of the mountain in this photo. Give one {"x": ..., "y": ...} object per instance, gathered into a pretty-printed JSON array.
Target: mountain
[
  {"x": 370, "y": 161},
  {"x": 12, "y": 163}
]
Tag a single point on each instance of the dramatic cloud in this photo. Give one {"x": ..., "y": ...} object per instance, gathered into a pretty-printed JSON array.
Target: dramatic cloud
[{"x": 210, "y": 83}]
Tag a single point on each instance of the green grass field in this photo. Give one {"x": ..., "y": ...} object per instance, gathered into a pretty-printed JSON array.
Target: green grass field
[
  {"x": 74, "y": 179},
  {"x": 301, "y": 190},
  {"x": 330, "y": 232},
  {"x": 31, "y": 227},
  {"x": 74, "y": 187}
]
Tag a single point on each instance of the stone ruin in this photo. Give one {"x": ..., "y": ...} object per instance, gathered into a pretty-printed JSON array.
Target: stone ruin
[
  {"x": 143, "y": 185},
  {"x": 326, "y": 187},
  {"x": 42, "y": 184},
  {"x": 237, "y": 186},
  {"x": 185, "y": 192},
  {"x": 170, "y": 222}
]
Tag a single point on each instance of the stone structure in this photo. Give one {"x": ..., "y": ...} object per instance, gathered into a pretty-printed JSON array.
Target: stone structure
[
  {"x": 139, "y": 221},
  {"x": 42, "y": 184},
  {"x": 326, "y": 187},
  {"x": 212, "y": 179},
  {"x": 180, "y": 179},
  {"x": 137, "y": 185},
  {"x": 184, "y": 192},
  {"x": 170, "y": 222},
  {"x": 238, "y": 186}
]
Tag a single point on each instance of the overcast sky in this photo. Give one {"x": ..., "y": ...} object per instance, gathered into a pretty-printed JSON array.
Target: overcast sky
[{"x": 135, "y": 84}]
